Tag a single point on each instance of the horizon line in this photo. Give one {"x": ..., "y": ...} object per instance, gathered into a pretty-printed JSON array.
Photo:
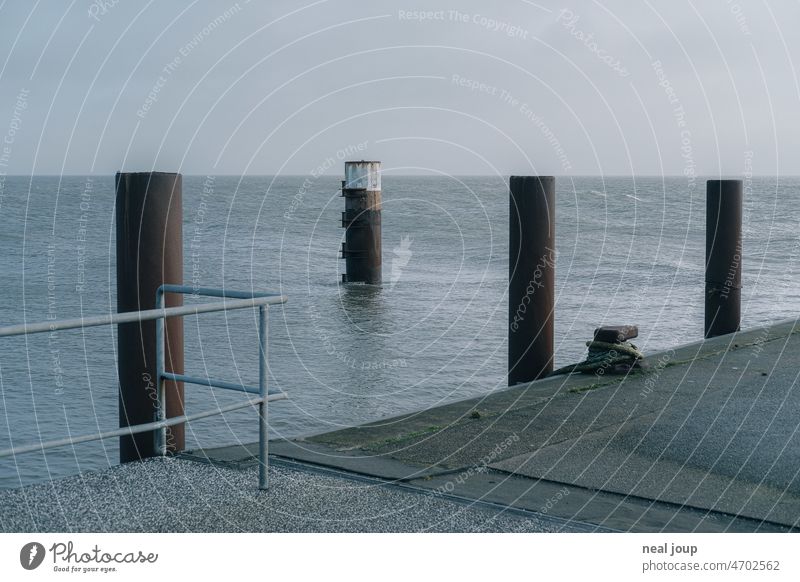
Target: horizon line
[{"x": 733, "y": 176}]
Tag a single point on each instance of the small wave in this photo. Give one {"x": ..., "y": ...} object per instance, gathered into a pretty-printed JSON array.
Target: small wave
[
  {"x": 634, "y": 197},
  {"x": 603, "y": 194}
]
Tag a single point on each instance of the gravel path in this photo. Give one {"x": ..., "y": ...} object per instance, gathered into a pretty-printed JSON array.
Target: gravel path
[{"x": 177, "y": 495}]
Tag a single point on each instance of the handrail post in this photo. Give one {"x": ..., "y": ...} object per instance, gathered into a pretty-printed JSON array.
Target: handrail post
[
  {"x": 161, "y": 436},
  {"x": 263, "y": 386}
]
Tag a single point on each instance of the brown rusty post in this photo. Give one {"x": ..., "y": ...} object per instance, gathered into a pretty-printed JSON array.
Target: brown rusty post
[
  {"x": 361, "y": 250},
  {"x": 149, "y": 217},
  {"x": 531, "y": 287},
  {"x": 723, "y": 257}
]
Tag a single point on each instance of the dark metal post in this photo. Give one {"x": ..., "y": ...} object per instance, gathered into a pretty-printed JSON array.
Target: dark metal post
[
  {"x": 361, "y": 250},
  {"x": 531, "y": 287},
  {"x": 723, "y": 257},
  {"x": 149, "y": 217}
]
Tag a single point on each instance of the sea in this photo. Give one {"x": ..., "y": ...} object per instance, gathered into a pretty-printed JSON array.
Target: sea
[{"x": 629, "y": 250}]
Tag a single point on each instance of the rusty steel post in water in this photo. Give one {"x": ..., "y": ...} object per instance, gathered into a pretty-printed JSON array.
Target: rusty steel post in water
[
  {"x": 361, "y": 250},
  {"x": 531, "y": 287},
  {"x": 149, "y": 218},
  {"x": 723, "y": 257}
]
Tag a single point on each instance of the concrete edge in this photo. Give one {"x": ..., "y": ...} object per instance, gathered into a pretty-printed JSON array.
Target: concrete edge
[
  {"x": 603, "y": 509},
  {"x": 528, "y": 393}
]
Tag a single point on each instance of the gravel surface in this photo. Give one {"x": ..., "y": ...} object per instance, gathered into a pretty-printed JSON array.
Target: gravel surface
[{"x": 177, "y": 495}]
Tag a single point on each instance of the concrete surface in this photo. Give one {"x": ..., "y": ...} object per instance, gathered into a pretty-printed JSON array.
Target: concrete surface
[{"x": 706, "y": 439}]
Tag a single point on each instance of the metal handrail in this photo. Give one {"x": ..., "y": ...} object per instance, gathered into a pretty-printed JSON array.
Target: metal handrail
[
  {"x": 233, "y": 300},
  {"x": 138, "y": 316},
  {"x": 263, "y": 368}
]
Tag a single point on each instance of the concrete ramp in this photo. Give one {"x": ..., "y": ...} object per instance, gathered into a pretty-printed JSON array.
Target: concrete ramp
[{"x": 706, "y": 439}]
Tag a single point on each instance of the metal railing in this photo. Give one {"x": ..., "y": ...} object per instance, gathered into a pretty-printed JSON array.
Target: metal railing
[{"x": 233, "y": 300}]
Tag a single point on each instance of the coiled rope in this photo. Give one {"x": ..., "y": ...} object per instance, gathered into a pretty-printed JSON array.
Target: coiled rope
[{"x": 606, "y": 357}]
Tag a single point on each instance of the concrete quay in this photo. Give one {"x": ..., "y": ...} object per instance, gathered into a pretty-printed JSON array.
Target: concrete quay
[{"x": 705, "y": 439}]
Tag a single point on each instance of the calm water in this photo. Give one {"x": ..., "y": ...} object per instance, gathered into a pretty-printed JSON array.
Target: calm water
[{"x": 629, "y": 251}]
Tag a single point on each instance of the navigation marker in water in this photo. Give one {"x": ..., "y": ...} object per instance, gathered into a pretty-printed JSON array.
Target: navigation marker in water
[{"x": 361, "y": 250}]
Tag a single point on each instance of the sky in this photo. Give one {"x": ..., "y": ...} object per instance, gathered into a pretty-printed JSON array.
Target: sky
[{"x": 438, "y": 87}]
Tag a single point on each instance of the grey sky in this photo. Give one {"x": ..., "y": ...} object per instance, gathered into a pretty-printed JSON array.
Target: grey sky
[{"x": 474, "y": 88}]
